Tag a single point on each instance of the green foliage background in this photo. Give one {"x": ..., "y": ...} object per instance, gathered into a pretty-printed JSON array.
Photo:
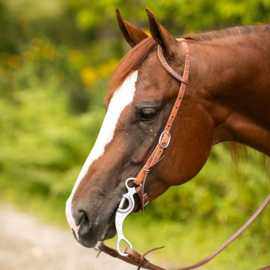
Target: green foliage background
[{"x": 55, "y": 60}]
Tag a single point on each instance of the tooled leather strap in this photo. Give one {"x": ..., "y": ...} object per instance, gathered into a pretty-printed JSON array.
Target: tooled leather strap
[
  {"x": 165, "y": 136},
  {"x": 139, "y": 260}
]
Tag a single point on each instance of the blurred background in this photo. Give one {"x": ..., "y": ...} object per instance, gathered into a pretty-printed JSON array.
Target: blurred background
[{"x": 55, "y": 60}]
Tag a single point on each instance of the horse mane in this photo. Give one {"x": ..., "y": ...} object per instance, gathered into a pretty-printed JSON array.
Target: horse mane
[
  {"x": 233, "y": 31},
  {"x": 129, "y": 63}
]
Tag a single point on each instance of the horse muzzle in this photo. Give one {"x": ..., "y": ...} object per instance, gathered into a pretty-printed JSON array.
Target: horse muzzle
[{"x": 88, "y": 232}]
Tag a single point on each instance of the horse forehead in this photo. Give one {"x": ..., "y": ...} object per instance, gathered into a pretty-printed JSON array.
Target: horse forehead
[
  {"x": 152, "y": 74},
  {"x": 150, "y": 67},
  {"x": 155, "y": 84}
]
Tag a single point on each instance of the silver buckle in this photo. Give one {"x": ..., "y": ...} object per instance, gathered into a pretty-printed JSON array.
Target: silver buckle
[{"x": 161, "y": 136}]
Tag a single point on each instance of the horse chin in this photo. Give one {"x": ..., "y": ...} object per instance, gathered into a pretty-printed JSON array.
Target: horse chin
[
  {"x": 110, "y": 230},
  {"x": 91, "y": 242},
  {"x": 109, "y": 233}
]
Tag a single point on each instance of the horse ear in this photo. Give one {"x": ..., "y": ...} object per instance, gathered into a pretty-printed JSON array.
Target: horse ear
[
  {"x": 168, "y": 43},
  {"x": 131, "y": 33}
]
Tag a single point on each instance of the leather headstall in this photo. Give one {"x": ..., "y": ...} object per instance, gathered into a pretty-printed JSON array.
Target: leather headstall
[{"x": 165, "y": 136}]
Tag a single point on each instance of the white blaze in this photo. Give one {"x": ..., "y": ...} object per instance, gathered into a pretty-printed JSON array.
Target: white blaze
[{"x": 121, "y": 98}]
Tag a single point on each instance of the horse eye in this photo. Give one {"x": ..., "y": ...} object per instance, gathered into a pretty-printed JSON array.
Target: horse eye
[{"x": 148, "y": 114}]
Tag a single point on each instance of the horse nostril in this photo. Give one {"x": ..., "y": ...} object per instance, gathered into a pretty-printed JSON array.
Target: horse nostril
[
  {"x": 84, "y": 218},
  {"x": 81, "y": 217}
]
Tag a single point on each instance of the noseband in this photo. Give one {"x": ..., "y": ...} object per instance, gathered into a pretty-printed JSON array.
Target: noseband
[{"x": 130, "y": 255}]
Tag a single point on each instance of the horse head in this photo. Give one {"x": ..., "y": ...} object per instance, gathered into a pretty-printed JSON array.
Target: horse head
[{"x": 139, "y": 101}]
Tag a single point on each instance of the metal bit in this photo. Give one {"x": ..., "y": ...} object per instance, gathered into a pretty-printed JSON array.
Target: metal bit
[{"x": 122, "y": 213}]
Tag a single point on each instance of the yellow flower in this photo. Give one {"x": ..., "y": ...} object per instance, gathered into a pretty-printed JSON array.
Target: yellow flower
[
  {"x": 88, "y": 75},
  {"x": 147, "y": 32}
]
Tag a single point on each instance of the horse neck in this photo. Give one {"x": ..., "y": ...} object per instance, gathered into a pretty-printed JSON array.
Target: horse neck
[{"x": 234, "y": 87}]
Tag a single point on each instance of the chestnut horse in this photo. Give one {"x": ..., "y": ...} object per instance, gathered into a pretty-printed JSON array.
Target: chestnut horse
[{"x": 227, "y": 99}]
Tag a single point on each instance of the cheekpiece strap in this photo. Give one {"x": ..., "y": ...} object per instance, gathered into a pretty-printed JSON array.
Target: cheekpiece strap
[{"x": 165, "y": 136}]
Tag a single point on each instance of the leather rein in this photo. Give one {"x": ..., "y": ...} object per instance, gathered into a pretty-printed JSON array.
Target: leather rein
[{"x": 130, "y": 255}]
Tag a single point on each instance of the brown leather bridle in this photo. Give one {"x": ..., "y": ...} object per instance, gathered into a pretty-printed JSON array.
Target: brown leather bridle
[
  {"x": 165, "y": 137},
  {"x": 164, "y": 140}
]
